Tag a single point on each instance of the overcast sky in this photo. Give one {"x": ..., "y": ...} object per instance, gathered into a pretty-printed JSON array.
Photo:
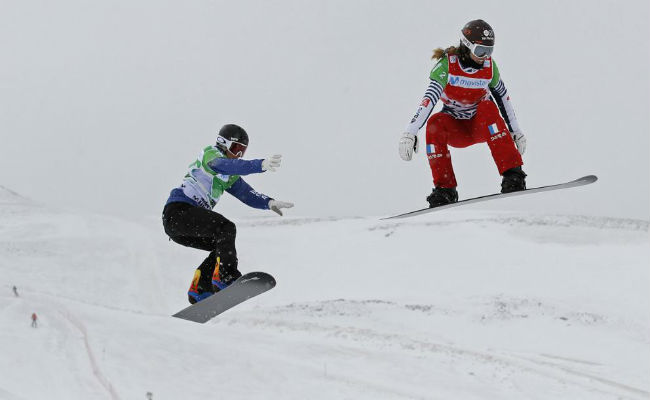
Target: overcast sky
[{"x": 103, "y": 104}]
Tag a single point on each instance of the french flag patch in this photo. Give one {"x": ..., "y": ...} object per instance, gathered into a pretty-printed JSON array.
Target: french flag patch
[
  {"x": 493, "y": 129},
  {"x": 430, "y": 149}
]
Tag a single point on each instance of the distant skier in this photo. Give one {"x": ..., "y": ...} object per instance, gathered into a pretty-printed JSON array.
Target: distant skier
[
  {"x": 468, "y": 82},
  {"x": 188, "y": 218},
  {"x": 15, "y": 289},
  {"x": 34, "y": 320}
]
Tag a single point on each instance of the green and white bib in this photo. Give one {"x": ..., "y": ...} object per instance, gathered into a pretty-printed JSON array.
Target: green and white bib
[{"x": 204, "y": 185}]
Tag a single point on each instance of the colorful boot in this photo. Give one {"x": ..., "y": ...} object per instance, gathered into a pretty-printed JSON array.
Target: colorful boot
[
  {"x": 197, "y": 291},
  {"x": 221, "y": 278}
]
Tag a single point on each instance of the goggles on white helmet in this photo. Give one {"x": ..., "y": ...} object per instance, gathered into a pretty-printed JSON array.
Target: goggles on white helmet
[{"x": 235, "y": 148}]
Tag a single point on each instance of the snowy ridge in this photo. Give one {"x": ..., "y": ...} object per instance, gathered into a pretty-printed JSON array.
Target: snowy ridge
[
  {"x": 466, "y": 305},
  {"x": 554, "y": 221},
  {"x": 501, "y": 218},
  {"x": 9, "y": 196}
]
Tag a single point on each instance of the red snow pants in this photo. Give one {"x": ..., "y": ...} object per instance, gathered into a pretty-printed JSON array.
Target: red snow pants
[{"x": 486, "y": 126}]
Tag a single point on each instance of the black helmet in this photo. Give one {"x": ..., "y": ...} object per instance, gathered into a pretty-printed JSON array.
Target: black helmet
[
  {"x": 232, "y": 139},
  {"x": 478, "y": 37}
]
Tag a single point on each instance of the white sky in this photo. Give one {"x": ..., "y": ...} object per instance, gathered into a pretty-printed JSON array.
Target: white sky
[{"x": 104, "y": 104}]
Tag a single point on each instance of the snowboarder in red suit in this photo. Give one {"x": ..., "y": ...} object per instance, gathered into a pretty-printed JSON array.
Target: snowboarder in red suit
[{"x": 476, "y": 109}]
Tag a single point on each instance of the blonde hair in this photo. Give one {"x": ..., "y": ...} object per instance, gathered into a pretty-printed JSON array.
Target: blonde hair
[{"x": 439, "y": 52}]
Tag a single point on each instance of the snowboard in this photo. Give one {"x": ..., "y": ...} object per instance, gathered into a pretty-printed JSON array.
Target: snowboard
[
  {"x": 245, "y": 287},
  {"x": 585, "y": 180}
]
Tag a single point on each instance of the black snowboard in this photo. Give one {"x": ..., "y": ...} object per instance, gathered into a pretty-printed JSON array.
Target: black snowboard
[
  {"x": 585, "y": 180},
  {"x": 245, "y": 287}
]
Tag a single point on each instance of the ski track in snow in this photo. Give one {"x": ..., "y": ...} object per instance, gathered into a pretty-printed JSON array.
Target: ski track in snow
[{"x": 103, "y": 381}]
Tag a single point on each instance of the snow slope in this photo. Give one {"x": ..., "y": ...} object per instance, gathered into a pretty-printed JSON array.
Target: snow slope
[{"x": 465, "y": 304}]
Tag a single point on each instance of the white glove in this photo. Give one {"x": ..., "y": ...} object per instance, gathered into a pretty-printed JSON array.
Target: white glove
[
  {"x": 272, "y": 163},
  {"x": 520, "y": 141},
  {"x": 408, "y": 144},
  {"x": 277, "y": 206}
]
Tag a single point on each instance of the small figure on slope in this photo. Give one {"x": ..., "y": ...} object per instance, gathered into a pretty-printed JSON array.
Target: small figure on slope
[
  {"x": 188, "y": 218},
  {"x": 476, "y": 109}
]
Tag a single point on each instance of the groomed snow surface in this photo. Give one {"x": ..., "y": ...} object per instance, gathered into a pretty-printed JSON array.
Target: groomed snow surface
[{"x": 465, "y": 304}]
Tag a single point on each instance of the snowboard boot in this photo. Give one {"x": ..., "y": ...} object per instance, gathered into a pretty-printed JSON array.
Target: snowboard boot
[
  {"x": 223, "y": 276},
  {"x": 514, "y": 180},
  {"x": 441, "y": 196},
  {"x": 199, "y": 289}
]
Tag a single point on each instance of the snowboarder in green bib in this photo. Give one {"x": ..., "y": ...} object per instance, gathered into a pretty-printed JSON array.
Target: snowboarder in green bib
[
  {"x": 476, "y": 109},
  {"x": 188, "y": 218}
]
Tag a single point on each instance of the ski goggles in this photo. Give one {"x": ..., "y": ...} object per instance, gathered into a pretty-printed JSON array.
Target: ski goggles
[
  {"x": 235, "y": 148},
  {"x": 479, "y": 50}
]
